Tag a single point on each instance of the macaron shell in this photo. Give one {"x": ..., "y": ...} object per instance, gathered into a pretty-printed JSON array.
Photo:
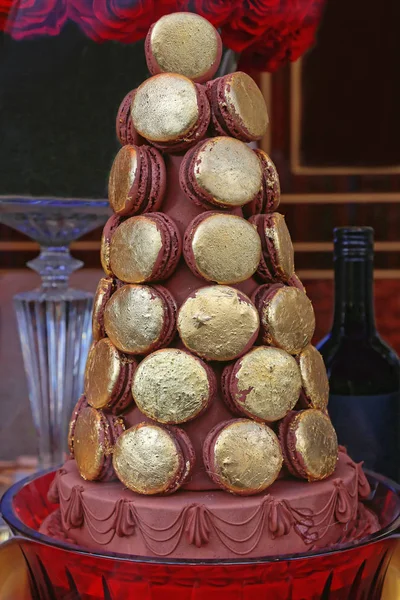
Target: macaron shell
[
  {"x": 311, "y": 444},
  {"x": 265, "y": 270},
  {"x": 188, "y": 454},
  {"x": 79, "y": 406},
  {"x": 294, "y": 281},
  {"x": 208, "y": 451},
  {"x": 174, "y": 43},
  {"x": 172, "y": 386},
  {"x": 279, "y": 246},
  {"x": 265, "y": 384},
  {"x": 170, "y": 111},
  {"x": 137, "y": 248},
  {"x": 226, "y": 383},
  {"x": 185, "y": 182},
  {"x": 158, "y": 179},
  {"x": 235, "y": 456},
  {"x": 123, "y": 185},
  {"x": 148, "y": 459},
  {"x": 287, "y": 318},
  {"x": 108, "y": 231},
  {"x": 271, "y": 182},
  {"x": 103, "y": 293},
  {"x": 169, "y": 330},
  {"x": 171, "y": 258},
  {"x": 122, "y": 394},
  {"x": 125, "y": 130},
  {"x": 225, "y": 172},
  {"x": 218, "y": 323},
  {"x": 116, "y": 427},
  {"x": 108, "y": 377},
  {"x": 95, "y": 435},
  {"x": 315, "y": 382},
  {"x": 238, "y": 107},
  {"x": 148, "y": 327},
  {"x": 221, "y": 247},
  {"x": 197, "y": 132},
  {"x": 287, "y": 445},
  {"x": 269, "y": 198}
]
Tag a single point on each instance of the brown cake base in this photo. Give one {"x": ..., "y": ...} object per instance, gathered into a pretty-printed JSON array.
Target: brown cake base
[{"x": 293, "y": 516}]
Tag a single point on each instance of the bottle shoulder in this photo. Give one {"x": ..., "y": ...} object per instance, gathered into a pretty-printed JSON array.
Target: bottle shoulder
[{"x": 360, "y": 365}]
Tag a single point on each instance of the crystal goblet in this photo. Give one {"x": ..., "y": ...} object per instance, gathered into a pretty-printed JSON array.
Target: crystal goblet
[{"x": 54, "y": 320}]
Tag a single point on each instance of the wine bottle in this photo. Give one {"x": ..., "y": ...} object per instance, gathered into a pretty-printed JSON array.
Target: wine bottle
[{"x": 363, "y": 371}]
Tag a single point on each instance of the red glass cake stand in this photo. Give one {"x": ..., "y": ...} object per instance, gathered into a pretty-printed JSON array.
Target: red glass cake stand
[{"x": 58, "y": 570}]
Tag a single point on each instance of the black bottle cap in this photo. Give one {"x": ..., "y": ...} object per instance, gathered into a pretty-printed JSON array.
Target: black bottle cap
[{"x": 353, "y": 242}]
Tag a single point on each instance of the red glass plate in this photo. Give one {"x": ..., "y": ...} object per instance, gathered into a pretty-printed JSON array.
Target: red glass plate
[{"x": 62, "y": 571}]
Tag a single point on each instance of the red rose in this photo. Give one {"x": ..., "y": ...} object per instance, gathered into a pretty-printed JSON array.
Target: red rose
[
  {"x": 258, "y": 18},
  {"x": 123, "y": 20},
  {"x": 276, "y": 48},
  {"x": 5, "y": 7},
  {"x": 218, "y": 12},
  {"x": 28, "y": 18}
]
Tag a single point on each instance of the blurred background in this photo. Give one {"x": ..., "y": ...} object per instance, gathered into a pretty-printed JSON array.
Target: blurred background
[{"x": 334, "y": 137}]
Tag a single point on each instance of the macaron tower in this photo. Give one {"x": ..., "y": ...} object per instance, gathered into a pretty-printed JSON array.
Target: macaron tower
[{"x": 203, "y": 429}]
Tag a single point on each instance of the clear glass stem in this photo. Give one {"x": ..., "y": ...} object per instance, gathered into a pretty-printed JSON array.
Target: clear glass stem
[{"x": 54, "y": 325}]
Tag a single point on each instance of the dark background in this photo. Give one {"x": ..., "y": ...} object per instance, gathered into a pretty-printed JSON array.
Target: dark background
[{"x": 58, "y": 100}]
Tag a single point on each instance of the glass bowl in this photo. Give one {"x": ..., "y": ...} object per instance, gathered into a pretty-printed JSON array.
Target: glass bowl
[{"x": 62, "y": 571}]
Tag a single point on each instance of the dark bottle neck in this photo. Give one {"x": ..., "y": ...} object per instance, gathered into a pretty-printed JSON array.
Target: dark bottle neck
[{"x": 354, "y": 302}]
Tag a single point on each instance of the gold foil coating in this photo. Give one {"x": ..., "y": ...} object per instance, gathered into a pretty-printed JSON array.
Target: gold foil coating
[
  {"x": 123, "y": 173},
  {"x": 146, "y": 459},
  {"x": 271, "y": 174},
  {"x": 165, "y": 107},
  {"x": 104, "y": 288},
  {"x": 217, "y": 322},
  {"x": 268, "y": 383},
  {"x": 229, "y": 171},
  {"x": 184, "y": 43},
  {"x": 247, "y": 456},
  {"x": 71, "y": 428},
  {"x": 171, "y": 386},
  {"x": 134, "y": 318},
  {"x": 89, "y": 443},
  {"x": 288, "y": 319},
  {"x": 244, "y": 98},
  {"x": 282, "y": 242},
  {"x": 135, "y": 247},
  {"x": 103, "y": 367},
  {"x": 314, "y": 377},
  {"x": 105, "y": 255},
  {"x": 226, "y": 248},
  {"x": 316, "y": 442}
]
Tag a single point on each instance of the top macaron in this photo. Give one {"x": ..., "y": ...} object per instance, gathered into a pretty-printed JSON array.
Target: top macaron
[{"x": 183, "y": 43}]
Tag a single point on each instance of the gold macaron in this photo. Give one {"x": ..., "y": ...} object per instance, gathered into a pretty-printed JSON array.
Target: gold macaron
[
  {"x": 227, "y": 171},
  {"x": 223, "y": 248},
  {"x": 314, "y": 377},
  {"x": 183, "y": 43},
  {"x": 245, "y": 103},
  {"x": 165, "y": 107},
  {"x": 147, "y": 459},
  {"x": 245, "y": 456},
  {"x": 287, "y": 318},
  {"x": 265, "y": 383},
  {"x": 135, "y": 318},
  {"x": 218, "y": 323}
]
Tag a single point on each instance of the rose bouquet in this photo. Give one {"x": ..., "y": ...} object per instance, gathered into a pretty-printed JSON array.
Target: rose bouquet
[{"x": 266, "y": 33}]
